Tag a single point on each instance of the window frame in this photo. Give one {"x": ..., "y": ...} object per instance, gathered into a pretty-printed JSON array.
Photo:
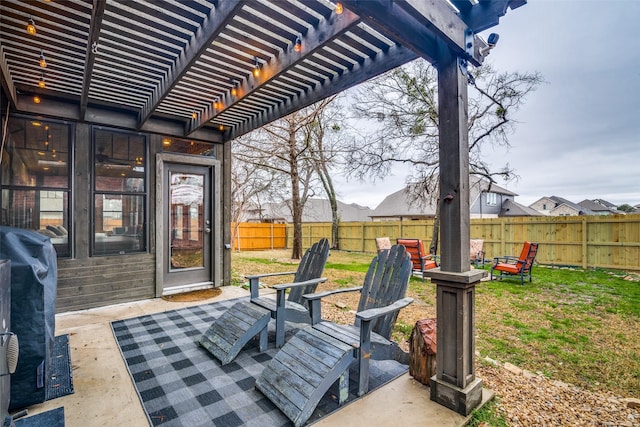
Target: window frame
[
  {"x": 144, "y": 194},
  {"x": 38, "y": 189}
]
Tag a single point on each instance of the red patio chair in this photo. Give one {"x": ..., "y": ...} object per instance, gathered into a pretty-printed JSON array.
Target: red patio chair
[
  {"x": 512, "y": 266},
  {"x": 422, "y": 261}
]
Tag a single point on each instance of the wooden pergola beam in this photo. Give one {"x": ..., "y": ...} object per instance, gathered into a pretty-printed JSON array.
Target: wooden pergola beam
[
  {"x": 419, "y": 25},
  {"x": 6, "y": 80},
  {"x": 218, "y": 18},
  {"x": 314, "y": 40},
  {"x": 485, "y": 14},
  {"x": 97, "y": 13},
  {"x": 371, "y": 67}
]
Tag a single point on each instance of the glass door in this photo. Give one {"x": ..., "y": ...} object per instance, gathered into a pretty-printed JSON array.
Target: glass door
[{"x": 187, "y": 227}]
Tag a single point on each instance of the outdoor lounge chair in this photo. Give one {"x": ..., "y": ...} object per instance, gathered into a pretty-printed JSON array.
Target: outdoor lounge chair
[
  {"x": 422, "y": 261},
  {"x": 316, "y": 357},
  {"x": 476, "y": 251},
  {"x": 383, "y": 243},
  {"x": 511, "y": 266},
  {"x": 228, "y": 334}
]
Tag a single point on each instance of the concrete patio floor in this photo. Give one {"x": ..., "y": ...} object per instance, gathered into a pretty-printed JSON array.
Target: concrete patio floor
[{"x": 105, "y": 395}]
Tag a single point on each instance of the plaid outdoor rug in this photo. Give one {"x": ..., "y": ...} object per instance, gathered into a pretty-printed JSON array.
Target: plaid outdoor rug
[{"x": 181, "y": 384}]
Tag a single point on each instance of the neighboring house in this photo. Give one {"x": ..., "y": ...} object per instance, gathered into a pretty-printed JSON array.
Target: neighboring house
[
  {"x": 557, "y": 206},
  {"x": 600, "y": 207},
  {"x": 486, "y": 200},
  {"x": 315, "y": 210},
  {"x": 513, "y": 208}
]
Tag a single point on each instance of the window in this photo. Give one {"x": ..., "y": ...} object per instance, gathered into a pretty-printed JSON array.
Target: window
[
  {"x": 120, "y": 192},
  {"x": 492, "y": 199},
  {"x": 35, "y": 179},
  {"x": 187, "y": 146}
]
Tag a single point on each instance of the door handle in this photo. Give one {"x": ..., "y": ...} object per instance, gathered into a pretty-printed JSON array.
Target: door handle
[{"x": 207, "y": 230}]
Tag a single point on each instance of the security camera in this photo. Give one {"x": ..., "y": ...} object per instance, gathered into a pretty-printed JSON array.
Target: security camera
[{"x": 491, "y": 43}]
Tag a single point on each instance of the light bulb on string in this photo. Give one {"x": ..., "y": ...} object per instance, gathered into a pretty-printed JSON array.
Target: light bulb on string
[
  {"x": 43, "y": 61},
  {"x": 31, "y": 27}
]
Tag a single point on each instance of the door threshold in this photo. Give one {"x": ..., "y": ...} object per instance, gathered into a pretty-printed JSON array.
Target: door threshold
[{"x": 187, "y": 288}]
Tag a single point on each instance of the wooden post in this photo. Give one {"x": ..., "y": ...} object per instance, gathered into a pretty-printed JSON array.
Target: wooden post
[{"x": 454, "y": 385}]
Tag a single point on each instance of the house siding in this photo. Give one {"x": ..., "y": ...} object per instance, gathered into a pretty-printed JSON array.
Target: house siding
[{"x": 99, "y": 281}]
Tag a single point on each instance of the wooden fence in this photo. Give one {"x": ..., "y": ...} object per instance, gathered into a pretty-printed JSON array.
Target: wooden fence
[
  {"x": 608, "y": 241},
  {"x": 251, "y": 236}
]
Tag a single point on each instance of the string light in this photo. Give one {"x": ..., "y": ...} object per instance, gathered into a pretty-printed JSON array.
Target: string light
[
  {"x": 41, "y": 83},
  {"x": 194, "y": 115},
  {"x": 339, "y": 9},
  {"x": 43, "y": 61},
  {"x": 31, "y": 27},
  {"x": 256, "y": 67},
  {"x": 221, "y": 127},
  {"x": 298, "y": 45},
  {"x": 36, "y": 99},
  {"x": 234, "y": 89}
]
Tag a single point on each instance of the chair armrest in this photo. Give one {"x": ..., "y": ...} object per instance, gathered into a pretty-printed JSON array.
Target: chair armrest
[
  {"x": 285, "y": 286},
  {"x": 254, "y": 281},
  {"x": 320, "y": 295},
  {"x": 257, "y": 276},
  {"x": 507, "y": 259},
  {"x": 314, "y": 301},
  {"x": 373, "y": 313}
]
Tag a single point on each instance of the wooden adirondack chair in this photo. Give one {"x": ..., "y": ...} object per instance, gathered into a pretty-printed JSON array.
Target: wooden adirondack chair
[
  {"x": 305, "y": 281},
  {"x": 315, "y": 358},
  {"x": 229, "y": 333},
  {"x": 511, "y": 266},
  {"x": 422, "y": 261}
]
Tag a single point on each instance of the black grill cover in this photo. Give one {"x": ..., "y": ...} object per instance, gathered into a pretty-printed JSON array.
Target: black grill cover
[{"x": 34, "y": 276}]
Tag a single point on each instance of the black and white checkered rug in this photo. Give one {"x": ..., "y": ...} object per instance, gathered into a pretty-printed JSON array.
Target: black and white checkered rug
[{"x": 181, "y": 384}]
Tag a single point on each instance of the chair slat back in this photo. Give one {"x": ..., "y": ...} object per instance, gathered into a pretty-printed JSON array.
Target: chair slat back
[
  {"x": 310, "y": 267},
  {"x": 415, "y": 248},
  {"x": 531, "y": 256},
  {"x": 386, "y": 282}
]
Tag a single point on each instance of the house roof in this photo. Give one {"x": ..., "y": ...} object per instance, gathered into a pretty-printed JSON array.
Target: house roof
[
  {"x": 513, "y": 208},
  {"x": 580, "y": 209},
  {"x": 402, "y": 204},
  {"x": 596, "y": 206},
  {"x": 315, "y": 210},
  {"x": 186, "y": 68}
]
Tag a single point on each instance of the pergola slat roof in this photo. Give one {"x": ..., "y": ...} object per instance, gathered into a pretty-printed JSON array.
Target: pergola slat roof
[{"x": 171, "y": 65}]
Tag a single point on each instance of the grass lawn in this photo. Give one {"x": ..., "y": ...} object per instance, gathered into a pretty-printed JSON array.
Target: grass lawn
[{"x": 577, "y": 326}]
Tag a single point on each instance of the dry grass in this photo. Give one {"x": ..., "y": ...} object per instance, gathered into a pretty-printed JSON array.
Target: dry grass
[{"x": 579, "y": 327}]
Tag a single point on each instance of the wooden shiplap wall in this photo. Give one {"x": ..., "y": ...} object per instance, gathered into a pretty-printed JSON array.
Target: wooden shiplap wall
[{"x": 100, "y": 281}]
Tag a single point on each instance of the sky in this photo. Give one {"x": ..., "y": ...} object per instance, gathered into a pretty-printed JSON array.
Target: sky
[{"x": 578, "y": 134}]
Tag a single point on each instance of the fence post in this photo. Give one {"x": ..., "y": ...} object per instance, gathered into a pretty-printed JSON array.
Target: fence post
[
  {"x": 503, "y": 234},
  {"x": 585, "y": 229}
]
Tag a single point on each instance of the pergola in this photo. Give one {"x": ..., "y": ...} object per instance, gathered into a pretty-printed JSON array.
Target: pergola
[{"x": 217, "y": 69}]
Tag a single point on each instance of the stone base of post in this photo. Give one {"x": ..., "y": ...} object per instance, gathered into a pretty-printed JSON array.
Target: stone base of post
[{"x": 460, "y": 400}]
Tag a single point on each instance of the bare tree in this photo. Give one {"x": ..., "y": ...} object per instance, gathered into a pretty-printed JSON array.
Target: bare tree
[
  {"x": 250, "y": 185},
  {"x": 326, "y": 132},
  {"x": 402, "y": 105},
  {"x": 284, "y": 146},
  {"x": 402, "y": 108}
]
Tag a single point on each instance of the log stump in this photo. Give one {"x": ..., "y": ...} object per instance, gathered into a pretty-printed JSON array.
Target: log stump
[{"x": 422, "y": 351}]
